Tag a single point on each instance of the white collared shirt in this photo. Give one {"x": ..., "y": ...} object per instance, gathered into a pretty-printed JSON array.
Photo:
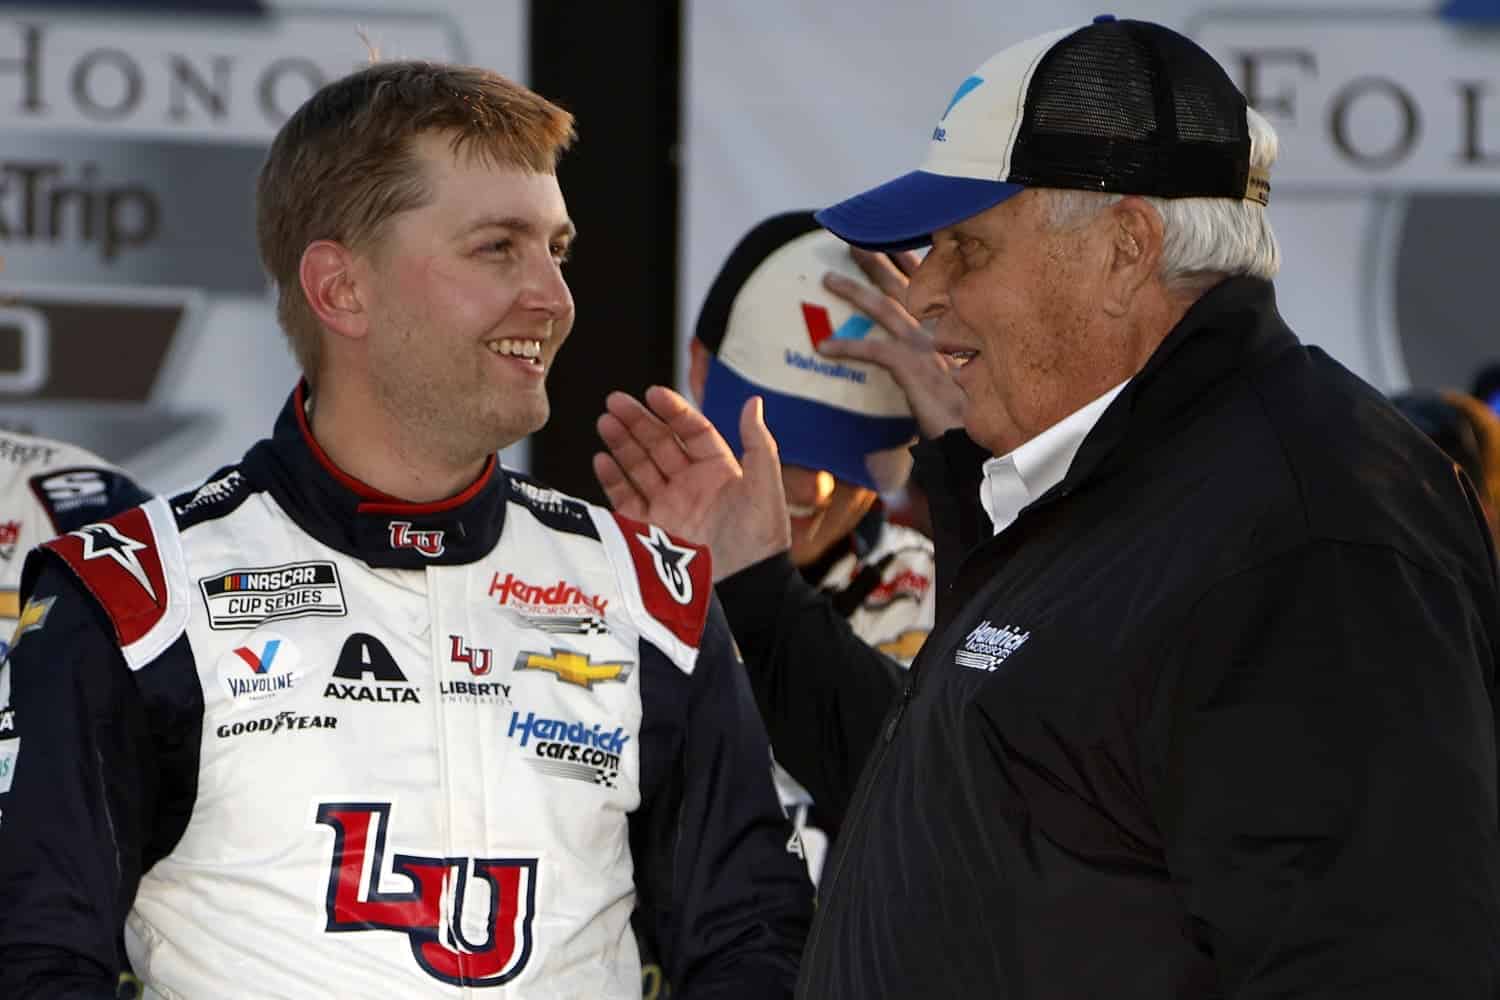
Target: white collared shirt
[{"x": 1012, "y": 481}]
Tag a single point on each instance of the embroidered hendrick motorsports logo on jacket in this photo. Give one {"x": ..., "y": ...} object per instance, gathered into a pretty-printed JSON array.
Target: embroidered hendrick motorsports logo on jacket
[
  {"x": 247, "y": 598},
  {"x": 988, "y": 646}
]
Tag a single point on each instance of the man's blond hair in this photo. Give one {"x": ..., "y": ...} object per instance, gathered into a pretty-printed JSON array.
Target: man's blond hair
[{"x": 343, "y": 164}]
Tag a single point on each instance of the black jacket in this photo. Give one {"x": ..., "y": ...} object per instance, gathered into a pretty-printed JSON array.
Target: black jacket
[{"x": 1214, "y": 717}]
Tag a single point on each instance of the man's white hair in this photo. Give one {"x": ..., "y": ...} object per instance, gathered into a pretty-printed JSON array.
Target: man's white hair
[{"x": 1204, "y": 239}]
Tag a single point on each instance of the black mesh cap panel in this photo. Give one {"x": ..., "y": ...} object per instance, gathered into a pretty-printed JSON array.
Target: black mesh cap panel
[{"x": 1131, "y": 107}]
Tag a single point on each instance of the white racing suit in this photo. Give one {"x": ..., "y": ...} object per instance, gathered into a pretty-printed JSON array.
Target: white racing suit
[{"x": 304, "y": 740}]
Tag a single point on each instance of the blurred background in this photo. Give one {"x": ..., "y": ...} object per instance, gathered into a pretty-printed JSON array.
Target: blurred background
[{"x": 135, "y": 321}]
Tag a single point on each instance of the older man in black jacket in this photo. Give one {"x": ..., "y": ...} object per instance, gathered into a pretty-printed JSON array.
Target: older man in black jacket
[{"x": 1208, "y": 709}]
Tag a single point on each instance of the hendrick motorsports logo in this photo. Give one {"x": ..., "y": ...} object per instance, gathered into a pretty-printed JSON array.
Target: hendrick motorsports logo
[
  {"x": 989, "y": 645},
  {"x": 572, "y": 750}
]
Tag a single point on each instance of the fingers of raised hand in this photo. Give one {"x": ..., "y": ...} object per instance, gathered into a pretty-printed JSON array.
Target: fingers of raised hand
[
  {"x": 906, "y": 261},
  {"x": 882, "y": 271},
  {"x": 629, "y": 455},
  {"x": 650, "y": 430},
  {"x": 698, "y": 437},
  {"x": 622, "y": 495},
  {"x": 876, "y": 304}
]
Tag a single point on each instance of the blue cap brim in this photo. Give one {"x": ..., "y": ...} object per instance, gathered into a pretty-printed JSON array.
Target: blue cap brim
[
  {"x": 904, "y": 213},
  {"x": 809, "y": 434}
]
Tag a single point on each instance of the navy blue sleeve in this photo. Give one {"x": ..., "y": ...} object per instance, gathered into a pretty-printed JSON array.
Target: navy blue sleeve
[
  {"x": 80, "y": 780},
  {"x": 823, "y": 691},
  {"x": 723, "y": 890}
]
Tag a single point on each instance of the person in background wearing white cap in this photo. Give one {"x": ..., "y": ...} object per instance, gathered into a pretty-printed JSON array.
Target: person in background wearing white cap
[
  {"x": 1208, "y": 709},
  {"x": 852, "y": 598}
]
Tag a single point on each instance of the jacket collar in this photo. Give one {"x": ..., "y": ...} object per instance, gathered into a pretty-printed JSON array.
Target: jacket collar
[
  {"x": 1231, "y": 331},
  {"x": 359, "y": 520}
]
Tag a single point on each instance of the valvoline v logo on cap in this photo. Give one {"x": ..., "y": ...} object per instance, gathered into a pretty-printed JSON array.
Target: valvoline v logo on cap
[{"x": 820, "y": 327}]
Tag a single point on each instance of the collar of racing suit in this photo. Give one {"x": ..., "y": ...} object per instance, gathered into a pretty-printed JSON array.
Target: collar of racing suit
[{"x": 358, "y": 520}]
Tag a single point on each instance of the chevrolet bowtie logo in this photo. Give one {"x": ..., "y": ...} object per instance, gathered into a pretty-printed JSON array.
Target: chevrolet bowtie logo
[{"x": 573, "y": 668}]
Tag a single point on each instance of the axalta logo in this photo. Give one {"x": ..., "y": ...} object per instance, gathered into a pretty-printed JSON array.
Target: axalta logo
[
  {"x": 366, "y": 671},
  {"x": 557, "y": 598},
  {"x": 988, "y": 646},
  {"x": 433, "y": 904},
  {"x": 429, "y": 543},
  {"x": 575, "y": 750},
  {"x": 263, "y": 668}
]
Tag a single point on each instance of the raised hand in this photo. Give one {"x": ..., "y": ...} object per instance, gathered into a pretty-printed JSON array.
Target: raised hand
[
  {"x": 921, "y": 372},
  {"x": 668, "y": 465}
]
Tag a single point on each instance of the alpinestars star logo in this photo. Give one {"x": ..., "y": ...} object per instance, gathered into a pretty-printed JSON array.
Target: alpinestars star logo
[
  {"x": 437, "y": 908},
  {"x": 671, "y": 562},
  {"x": 104, "y": 541}
]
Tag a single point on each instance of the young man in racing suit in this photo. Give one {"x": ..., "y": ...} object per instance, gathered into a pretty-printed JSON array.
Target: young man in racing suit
[{"x": 365, "y": 714}]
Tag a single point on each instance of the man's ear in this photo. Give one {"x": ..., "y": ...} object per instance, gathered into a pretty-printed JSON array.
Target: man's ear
[
  {"x": 332, "y": 292},
  {"x": 697, "y": 369},
  {"x": 1135, "y": 229}
]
